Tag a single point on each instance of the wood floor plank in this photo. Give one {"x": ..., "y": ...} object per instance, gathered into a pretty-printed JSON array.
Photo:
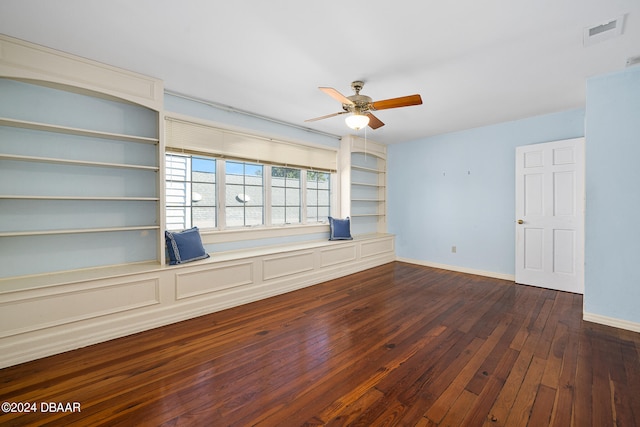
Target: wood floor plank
[
  {"x": 553, "y": 366},
  {"x": 631, "y": 360},
  {"x": 542, "y": 408},
  {"x": 583, "y": 411},
  {"x": 604, "y": 364},
  {"x": 348, "y": 414},
  {"x": 459, "y": 409},
  {"x": 481, "y": 411},
  {"x": 564, "y": 408},
  {"x": 523, "y": 404},
  {"x": 504, "y": 404},
  {"x": 398, "y": 344},
  {"x": 523, "y": 301},
  {"x": 443, "y": 403}
]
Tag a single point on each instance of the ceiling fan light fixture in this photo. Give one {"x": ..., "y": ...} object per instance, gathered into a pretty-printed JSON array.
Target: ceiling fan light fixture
[{"x": 357, "y": 121}]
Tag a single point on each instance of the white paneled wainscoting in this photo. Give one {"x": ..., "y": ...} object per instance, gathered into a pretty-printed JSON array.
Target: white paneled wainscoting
[{"x": 47, "y": 314}]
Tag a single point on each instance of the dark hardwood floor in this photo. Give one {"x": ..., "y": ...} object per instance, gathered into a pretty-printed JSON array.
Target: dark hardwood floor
[{"x": 395, "y": 345}]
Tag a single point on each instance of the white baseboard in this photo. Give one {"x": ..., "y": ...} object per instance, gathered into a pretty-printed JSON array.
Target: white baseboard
[
  {"x": 611, "y": 321},
  {"x": 459, "y": 269}
]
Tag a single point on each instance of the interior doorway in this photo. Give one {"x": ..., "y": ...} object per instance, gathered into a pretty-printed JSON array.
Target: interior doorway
[{"x": 550, "y": 205}]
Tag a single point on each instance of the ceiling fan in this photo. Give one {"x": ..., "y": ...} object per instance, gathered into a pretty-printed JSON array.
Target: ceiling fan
[{"x": 360, "y": 106}]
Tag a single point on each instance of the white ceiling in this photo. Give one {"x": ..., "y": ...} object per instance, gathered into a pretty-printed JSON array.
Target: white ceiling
[{"x": 473, "y": 62}]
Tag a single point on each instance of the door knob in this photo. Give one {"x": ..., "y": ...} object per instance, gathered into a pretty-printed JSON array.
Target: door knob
[{"x": 520, "y": 221}]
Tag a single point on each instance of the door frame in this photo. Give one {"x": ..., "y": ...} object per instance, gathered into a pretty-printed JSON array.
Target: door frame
[{"x": 547, "y": 277}]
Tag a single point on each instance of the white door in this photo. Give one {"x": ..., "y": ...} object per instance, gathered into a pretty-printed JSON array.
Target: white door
[{"x": 550, "y": 193}]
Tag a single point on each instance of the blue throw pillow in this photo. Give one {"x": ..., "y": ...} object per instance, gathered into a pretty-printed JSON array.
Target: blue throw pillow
[
  {"x": 340, "y": 229},
  {"x": 184, "y": 246}
]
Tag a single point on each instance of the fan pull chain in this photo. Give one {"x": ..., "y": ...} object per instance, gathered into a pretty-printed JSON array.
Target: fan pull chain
[{"x": 365, "y": 145}]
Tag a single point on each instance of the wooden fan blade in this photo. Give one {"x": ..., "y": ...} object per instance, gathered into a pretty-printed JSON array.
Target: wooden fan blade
[
  {"x": 336, "y": 95},
  {"x": 326, "y": 117},
  {"x": 374, "y": 122},
  {"x": 403, "y": 101}
]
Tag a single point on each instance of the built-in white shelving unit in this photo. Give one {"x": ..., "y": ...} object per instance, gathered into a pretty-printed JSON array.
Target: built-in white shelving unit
[
  {"x": 364, "y": 174},
  {"x": 82, "y": 213},
  {"x": 80, "y": 163}
]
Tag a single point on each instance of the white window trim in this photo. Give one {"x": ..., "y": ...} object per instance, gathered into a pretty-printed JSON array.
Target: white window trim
[
  {"x": 221, "y": 233},
  {"x": 266, "y": 230}
]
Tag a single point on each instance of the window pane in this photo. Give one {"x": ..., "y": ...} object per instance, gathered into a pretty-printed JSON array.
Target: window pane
[
  {"x": 191, "y": 193},
  {"x": 312, "y": 198},
  {"x": 176, "y": 193},
  {"x": 277, "y": 215},
  {"x": 253, "y": 180},
  {"x": 277, "y": 182},
  {"x": 323, "y": 180},
  {"x": 204, "y": 217},
  {"x": 235, "y": 216},
  {"x": 203, "y": 170},
  {"x": 293, "y": 197},
  {"x": 312, "y": 214},
  {"x": 244, "y": 194},
  {"x": 235, "y": 179},
  {"x": 203, "y": 164},
  {"x": 253, "y": 215},
  {"x": 234, "y": 168},
  {"x": 177, "y": 219},
  {"x": 293, "y": 177},
  {"x": 318, "y": 196},
  {"x": 203, "y": 194},
  {"x": 277, "y": 197},
  {"x": 285, "y": 192},
  {"x": 323, "y": 198},
  {"x": 293, "y": 215},
  {"x": 253, "y": 170},
  {"x": 255, "y": 196},
  {"x": 323, "y": 213},
  {"x": 190, "y": 183},
  {"x": 235, "y": 195}
]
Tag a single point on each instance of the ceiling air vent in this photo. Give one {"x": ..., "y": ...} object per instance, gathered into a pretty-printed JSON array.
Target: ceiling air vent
[
  {"x": 603, "y": 31},
  {"x": 634, "y": 60}
]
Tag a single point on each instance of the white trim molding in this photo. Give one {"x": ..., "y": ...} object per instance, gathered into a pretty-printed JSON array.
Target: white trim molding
[
  {"x": 459, "y": 269},
  {"x": 49, "y": 314},
  {"x": 23, "y": 60},
  {"x": 611, "y": 321}
]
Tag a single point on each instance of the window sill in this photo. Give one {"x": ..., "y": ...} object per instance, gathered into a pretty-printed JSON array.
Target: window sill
[{"x": 252, "y": 233}]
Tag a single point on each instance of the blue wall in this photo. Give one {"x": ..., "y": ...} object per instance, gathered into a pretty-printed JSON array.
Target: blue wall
[
  {"x": 612, "y": 253},
  {"x": 458, "y": 189}
]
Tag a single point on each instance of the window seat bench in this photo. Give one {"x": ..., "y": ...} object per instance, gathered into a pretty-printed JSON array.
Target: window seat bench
[{"x": 47, "y": 314}]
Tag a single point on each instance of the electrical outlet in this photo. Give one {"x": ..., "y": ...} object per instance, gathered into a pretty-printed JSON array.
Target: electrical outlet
[{"x": 453, "y": 249}]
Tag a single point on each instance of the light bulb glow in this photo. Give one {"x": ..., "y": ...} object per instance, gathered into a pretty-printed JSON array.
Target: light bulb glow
[{"x": 357, "y": 121}]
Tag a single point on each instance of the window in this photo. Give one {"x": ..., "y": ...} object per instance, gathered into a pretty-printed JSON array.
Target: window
[
  {"x": 244, "y": 190},
  {"x": 286, "y": 201},
  {"x": 318, "y": 196},
  {"x": 215, "y": 193},
  {"x": 190, "y": 192}
]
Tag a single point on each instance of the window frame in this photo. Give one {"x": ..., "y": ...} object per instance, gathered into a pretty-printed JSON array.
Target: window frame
[
  {"x": 317, "y": 191},
  {"x": 267, "y": 227},
  {"x": 302, "y": 201},
  {"x": 189, "y": 183},
  {"x": 223, "y": 195}
]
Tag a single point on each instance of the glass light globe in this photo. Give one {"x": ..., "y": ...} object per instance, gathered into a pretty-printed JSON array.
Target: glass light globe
[{"x": 357, "y": 121}]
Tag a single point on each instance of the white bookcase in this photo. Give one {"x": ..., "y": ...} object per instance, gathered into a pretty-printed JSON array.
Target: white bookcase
[
  {"x": 80, "y": 166},
  {"x": 364, "y": 189}
]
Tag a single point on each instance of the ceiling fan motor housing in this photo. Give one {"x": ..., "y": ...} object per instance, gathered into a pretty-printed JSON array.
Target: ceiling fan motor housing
[{"x": 361, "y": 103}]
